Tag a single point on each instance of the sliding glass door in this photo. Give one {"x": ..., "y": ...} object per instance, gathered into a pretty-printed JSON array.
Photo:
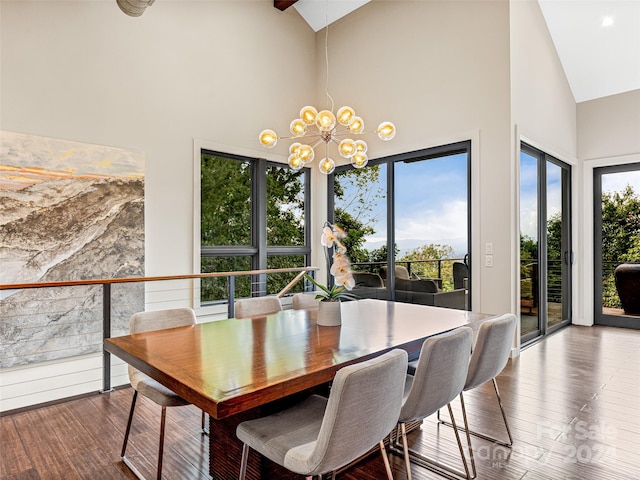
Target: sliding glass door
[
  {"x": 545, "y": 243},
  {"x": 617, "y": 245},
  {"x": 432, "y": 229},
  {"x": 418, "y": 203}
]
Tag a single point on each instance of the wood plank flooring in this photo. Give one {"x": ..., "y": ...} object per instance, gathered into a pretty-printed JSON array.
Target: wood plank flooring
[{"x": 572, "y": 401}]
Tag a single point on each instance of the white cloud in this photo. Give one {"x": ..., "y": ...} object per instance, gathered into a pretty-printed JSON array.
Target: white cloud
[
  {"x": 616, "y": 182},
  {"x": 431, "y": 224}
]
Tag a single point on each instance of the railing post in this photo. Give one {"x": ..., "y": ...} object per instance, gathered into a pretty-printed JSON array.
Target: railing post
[
  {"x": 106, "y": 333},
  {"x": 231, "y": 285},
  {"x": 440, "y": 268}
]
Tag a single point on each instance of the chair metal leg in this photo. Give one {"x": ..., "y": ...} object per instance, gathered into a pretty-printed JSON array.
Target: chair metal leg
[
  {"x": 161, "y": 446},
  {"x": 243, "y": 462},
  {"x": 504, "y": 418},
  {"x": 412, "y": 456},
  {"x": 405, "y": 448},
  {"x": 126, "y": 434},
  {"x": 474, "y": 473},
  {"x": 464, "y": 460},
  {"x": 385, "y": 458},
  {"x": 125, "y": 460}
]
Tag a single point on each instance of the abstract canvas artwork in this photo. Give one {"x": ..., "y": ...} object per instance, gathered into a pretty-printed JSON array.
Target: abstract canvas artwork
[{"x": 68, "y": 211}]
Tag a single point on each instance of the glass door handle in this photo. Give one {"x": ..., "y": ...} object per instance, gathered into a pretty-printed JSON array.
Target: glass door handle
[{"x": 568, "y": 258}]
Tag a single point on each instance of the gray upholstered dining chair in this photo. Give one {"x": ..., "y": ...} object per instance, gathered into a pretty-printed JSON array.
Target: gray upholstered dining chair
[
  {"x": 250, "y": 307},
  {"x": 304, "y": 300},
  {"x": 148, "y": 387},
  {"x": 321, "y": 435},
  {"x": 439, "y": 378},
  {"x": 490, "y": 355}
]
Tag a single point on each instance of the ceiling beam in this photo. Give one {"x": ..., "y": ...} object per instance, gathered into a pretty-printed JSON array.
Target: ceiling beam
[{"x": 282, "y": 5}]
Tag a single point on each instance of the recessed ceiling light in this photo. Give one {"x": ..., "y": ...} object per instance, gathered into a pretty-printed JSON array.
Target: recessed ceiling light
[{"x": 607, "y": 21}]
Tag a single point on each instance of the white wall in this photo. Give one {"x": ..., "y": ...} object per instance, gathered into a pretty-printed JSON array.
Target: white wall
[
  {"x": 219, "y": 71},
  {"x": 212, "y": 70},
  {"x": 608, "y": 134},
  {"x": 542, "y": 104},
  {"x": 440, "y": 71},
  {"x": 544, "y": 116},
  {"x": 609, "y": 126}
]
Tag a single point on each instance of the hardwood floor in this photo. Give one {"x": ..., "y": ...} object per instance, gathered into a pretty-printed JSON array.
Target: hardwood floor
[{"x": 572, "y": 401}]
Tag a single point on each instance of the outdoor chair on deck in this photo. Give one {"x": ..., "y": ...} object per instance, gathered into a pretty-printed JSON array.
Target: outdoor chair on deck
[{"x": 320, "y": 435}]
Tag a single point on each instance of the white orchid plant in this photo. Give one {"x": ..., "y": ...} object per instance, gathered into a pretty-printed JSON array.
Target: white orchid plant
[{"x": 340, "y": 268}]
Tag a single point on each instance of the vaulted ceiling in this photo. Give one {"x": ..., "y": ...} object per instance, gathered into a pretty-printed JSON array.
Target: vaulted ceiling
[{"x": 598, "y": 41}]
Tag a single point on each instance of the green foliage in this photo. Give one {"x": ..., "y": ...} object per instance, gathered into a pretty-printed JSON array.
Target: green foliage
[
  {"x": 225, "y": 186},
  {"x": 277, "y": 281},
  {"x": 424, "y": 263},
  {"x": 620, "y": 237},
  {"x": 633, "y": 254},
  {"x": 429, "y": 252},
  {"x": 610, "y": 296},
  {"x": 620, "y": 225},
  {"x": 216, "y": 288},
  {"x": 528, "y": 247},
  {"x": 226, "y": 220},
  {"x": 335, "y": 292},
  {"x": 285, "y": 207},
  {"x": 357, "y": 230},
  {"x": 380, "y": 254},
  {"x": 355, "y": 199},
  {"x": 554, "y": 237}
]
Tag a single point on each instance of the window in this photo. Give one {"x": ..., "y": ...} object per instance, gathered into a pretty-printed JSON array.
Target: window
[
  {"x": 419, "y": 202},
  {"x": 253, "y": 216}
]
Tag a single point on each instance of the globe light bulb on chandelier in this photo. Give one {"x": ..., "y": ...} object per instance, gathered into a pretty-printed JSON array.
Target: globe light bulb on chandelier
[
  {"x": 324, "y": 127},
  {"x": 312, "y": 128}
]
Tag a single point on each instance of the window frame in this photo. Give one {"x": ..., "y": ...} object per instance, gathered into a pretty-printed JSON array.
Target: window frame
[
  {"x": 258, "y": 251},
  {"x": 454, "y": 148}
]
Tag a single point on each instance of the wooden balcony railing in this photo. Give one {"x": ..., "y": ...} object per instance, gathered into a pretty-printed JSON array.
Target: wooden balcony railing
[{"x": 107, "y": 283}]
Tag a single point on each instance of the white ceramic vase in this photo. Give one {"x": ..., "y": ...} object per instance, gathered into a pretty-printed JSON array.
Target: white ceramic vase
[{"x": 329, "y": 313}]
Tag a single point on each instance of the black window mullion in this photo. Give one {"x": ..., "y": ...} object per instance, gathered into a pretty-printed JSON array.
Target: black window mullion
[
  {"x": 257, "y": 252},
  {"x": 391, "y": 231},
  {"x": 259, "y": 235}
]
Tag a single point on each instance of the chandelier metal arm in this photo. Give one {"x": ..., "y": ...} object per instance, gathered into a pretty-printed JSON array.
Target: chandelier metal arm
[{"x": 327, "y": 124}]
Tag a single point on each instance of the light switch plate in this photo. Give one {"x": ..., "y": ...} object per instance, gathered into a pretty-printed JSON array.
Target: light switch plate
[
  {"x": 488, "y": 260},
  {"x": 488, "y": 248}
]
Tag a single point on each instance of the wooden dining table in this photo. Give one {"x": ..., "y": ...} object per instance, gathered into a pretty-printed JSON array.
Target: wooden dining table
[{"x": 238, "y": 369}]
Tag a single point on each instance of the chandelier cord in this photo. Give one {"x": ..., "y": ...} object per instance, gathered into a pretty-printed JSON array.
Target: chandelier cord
[
  {"x": 326, "y": 53},
  {"x": 328, "y": 126}
]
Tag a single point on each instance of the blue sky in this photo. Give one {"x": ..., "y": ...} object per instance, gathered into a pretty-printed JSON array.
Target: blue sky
[
  {"x": 431, "y": 204},
  {"x": 613, "y": 182},
  {"x": 431, "y": 201}
]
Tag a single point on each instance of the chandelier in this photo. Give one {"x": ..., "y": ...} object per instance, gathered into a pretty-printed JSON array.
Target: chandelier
[
  {"x": 313, "y": 128},
  {"x": 324, "y": 127}
]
